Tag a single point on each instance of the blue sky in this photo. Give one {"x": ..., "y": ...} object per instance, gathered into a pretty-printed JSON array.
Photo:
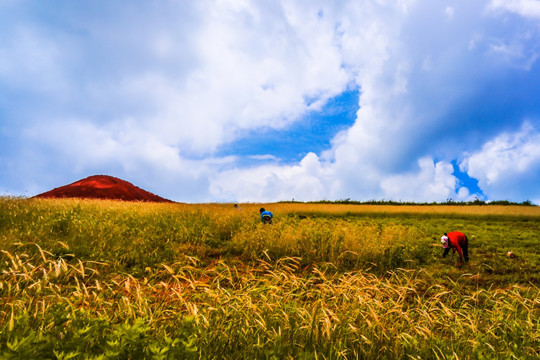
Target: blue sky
[
  {"x": 313, "y": 132},
  {"x": 244, "y": 100}
]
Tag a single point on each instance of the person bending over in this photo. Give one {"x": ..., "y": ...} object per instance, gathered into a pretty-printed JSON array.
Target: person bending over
[
  {"x": 458, "y": 241},
  {"x": 266, "y": 216}
]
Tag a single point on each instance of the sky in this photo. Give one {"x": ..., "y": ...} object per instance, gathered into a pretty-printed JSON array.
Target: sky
[{"x": 268, "y": 100}]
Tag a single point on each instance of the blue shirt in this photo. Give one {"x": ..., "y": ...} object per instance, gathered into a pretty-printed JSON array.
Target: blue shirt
[{"x": 266, "y": 213}]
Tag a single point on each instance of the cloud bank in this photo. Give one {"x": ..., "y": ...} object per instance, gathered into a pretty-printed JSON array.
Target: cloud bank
[{"x": 154, "y": 93}]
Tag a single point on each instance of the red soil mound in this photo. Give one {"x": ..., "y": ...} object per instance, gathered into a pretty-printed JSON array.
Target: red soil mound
[{"x": 102, "y": 187}]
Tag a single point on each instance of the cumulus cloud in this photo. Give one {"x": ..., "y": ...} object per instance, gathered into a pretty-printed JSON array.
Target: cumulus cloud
[
  {"x": 432, "y": 182},
  {"x": 315, "y": 179},
  {"x": 508, "y": 166},
  {"x": 303, "y": 182}
]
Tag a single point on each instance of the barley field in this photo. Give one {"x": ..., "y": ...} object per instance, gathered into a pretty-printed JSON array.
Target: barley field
[{"x": 83, "y": 279}]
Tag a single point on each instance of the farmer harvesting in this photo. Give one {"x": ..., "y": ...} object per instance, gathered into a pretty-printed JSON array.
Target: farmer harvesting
[
  {"x": 266, "y": 216},
  {"x": 458, "y": 241}
]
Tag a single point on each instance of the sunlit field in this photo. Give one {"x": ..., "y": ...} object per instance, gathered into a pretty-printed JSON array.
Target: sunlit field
[{"x": 84, "y": 279}]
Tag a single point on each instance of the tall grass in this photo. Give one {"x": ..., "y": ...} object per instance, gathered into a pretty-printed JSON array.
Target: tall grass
[
  {"x": 111, "y": 280},
  {"x": 135, "y": 236}
]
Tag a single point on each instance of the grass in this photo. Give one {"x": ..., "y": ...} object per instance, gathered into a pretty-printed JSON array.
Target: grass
[{"x": 87, "y": 279}]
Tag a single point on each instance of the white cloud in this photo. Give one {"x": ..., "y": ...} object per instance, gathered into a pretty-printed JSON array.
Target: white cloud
[
  {"x": 313, "y": 179},
  {"x": 508, "y": 166},
  {"x": 263, "y": 157},
  {"x": 526, "y": 8},
  {"x": 514, "y": 54},
  {"x": 432, "y": 182},
  {"x": 305, "y": 181}
]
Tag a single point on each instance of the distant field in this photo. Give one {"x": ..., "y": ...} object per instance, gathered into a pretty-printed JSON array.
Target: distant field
[
  {"x": 85, "y": 279},
  {"x": 511, "y": 210}
]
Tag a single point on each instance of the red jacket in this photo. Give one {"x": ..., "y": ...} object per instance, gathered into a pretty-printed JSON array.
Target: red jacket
[{"x": 457, "y": 240}]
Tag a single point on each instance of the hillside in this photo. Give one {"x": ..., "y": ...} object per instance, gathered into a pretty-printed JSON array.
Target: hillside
[{"x": 102, "y": 187}]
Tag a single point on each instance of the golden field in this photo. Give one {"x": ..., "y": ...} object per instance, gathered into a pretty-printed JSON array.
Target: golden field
[{"x": 85, "y": 279}]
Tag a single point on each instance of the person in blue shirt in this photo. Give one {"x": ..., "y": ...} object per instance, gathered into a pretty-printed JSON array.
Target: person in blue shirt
[{"x": 266, "y": 216}]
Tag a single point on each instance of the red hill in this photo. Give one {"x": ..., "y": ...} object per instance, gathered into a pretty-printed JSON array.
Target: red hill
[{"x": 102, "y": 187}]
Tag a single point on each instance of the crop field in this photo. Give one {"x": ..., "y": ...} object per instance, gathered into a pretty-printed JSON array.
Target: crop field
[{"x": 82, "y": 279}]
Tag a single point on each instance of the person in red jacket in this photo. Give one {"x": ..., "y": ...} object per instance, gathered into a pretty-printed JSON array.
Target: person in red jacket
[{"x": 458, "y": 241}]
